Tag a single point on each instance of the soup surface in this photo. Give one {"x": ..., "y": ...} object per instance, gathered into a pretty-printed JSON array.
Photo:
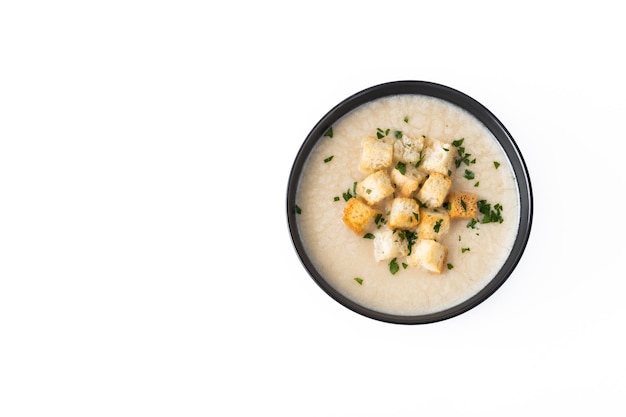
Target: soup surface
[{"x": 475, "y": 249}]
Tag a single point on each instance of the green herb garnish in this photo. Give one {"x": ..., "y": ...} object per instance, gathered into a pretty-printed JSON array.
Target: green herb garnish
[
  {"x": 489, "y": 215},
  {"x": 369, "y": 236},
  {"x": 329, "y": 132},
  {"x": 393, "y": 266},
  {"x": 359, "y": 280},
  {"x": 401, "y": 166},
  {"x": 381, "y": 133},
  {"x": 330, "y": 158},
  {"x": 298, "y": 209}
]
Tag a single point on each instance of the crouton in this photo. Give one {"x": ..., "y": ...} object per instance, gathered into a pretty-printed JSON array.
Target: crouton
[
  {"x": 357, "y": 215},
  {"x": 463, "y": 205},
  {"x": 388, "y": 245},
  {"x": 438, "y": 157},
  {"x": 376, "y": 154},
  {"x": 408, "y": 149},
  {"x": 435, "y": 189},
  {"x": 434, "y": 224},
  {"x": 409, "y": 182},
  {"x": 428, "y": 254},
  {"x": 375, "y": 187},
  {"x": 404, "y": 213}
]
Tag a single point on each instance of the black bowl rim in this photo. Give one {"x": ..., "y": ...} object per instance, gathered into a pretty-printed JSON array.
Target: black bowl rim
[{"x": 479, "y": 111}]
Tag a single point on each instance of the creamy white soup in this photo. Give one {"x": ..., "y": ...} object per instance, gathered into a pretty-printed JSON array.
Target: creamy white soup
[{"x": 473, "y": 248}]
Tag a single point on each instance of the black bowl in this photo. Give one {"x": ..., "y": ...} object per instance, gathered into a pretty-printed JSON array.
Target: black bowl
[{"x": 483, "y": 115}]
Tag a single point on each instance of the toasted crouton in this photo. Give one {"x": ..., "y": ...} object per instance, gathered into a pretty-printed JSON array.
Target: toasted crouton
[
  {"x": 463, "y": 205},
  {"x": 404, "y": 213},
  {"x": 375, "y": 187},
  {"x": 376, "y": 154},
  {"x": 357, "y": 215},
  {"x": 434, "y": 224},
  {"x": 429, "y": 254},
  {"x": 434, "y": 190},
  {"x": 408, "y": 149},
  {"x": 388, "y": 244},
  {"x": 438, "y": 157},
  {"x": 409, "y": 182}
]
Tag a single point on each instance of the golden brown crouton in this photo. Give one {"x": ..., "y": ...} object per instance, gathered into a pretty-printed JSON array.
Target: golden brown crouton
[
  {"x": 428, "y": 254},
  {"x": 357, "y": 215},
  {"x": 375, "y": 154},
  {"x": 434, "y": 224},
  {"x": 463, "y": 205},
  {"x": 404, "y": 213},
  {"x": 375, "y": 187},
  {"x": 434, "y": 190}
]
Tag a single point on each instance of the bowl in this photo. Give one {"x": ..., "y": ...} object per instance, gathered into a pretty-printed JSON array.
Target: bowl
[{"x": 420, "y": 300}]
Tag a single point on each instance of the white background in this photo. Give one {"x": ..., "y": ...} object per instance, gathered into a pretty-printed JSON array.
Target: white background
[{"x": 146, "y": 267}]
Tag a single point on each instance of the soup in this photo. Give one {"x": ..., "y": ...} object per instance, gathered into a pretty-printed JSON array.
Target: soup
[{"x": 398, "y": 265}]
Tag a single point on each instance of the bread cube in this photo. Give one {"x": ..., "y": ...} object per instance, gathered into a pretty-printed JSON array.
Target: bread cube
[
  {"x": 409, "y": 182},
  {"x": 404, "y": 213},
  {"x": 463, "y": 205},
  {"x": 376, "y": 154},
  {"x": 428, "y": 254},
  {"x": 388, "y": 245},
  {"x": 438, "y": 157},
  {"x": 357, "y": 215},
  {"x": 434, "y": 224},
  {"x": 408, "y": 149},
  {"x": 435, "y": 189},
  {"x": 375, "y": 187}
]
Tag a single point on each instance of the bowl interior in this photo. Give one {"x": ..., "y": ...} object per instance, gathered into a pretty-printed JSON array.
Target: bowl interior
[{"x": 481, "y": 113}]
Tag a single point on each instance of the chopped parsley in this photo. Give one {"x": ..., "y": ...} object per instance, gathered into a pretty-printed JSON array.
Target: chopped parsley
[
  {"x": 437, "y": 225},
  {"x": 368, "y": 236},
  {"x": 336, "y": 198},
  {"x": 463, "y": 250},
  {"x": 381, "y": 133},
  {"x": 410, "y": 237},
  {"x": 398, "y": 134},
  {"x": 298, "y": 210},
  {"x": 458, "y": 142},
  {"x": 450, "y": 266},
  {"x": 393, "y": 266},
  {"x": 419, "y": 160},
  {"x": 468, "y": 174},
  {"x": 463, "y": 157},
  {"x": 406, "y": 119},
  {"x": 329, "y": 132},
  {"x": 330, "y": 158},
  {"x": 490, "y": 215},
  {"x": 347, "y": 195},
  {"x": 401, "y": 166},
  {"x": 359, "y": 280},
  {"x": 496, "y": 164}
]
